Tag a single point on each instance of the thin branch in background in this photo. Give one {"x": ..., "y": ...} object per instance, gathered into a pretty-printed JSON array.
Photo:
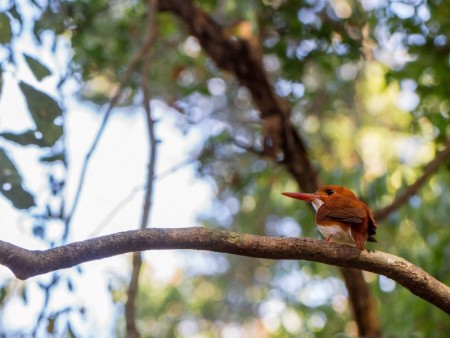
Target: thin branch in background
[
  {"x": 246, "y": 147},
  {"x": 176, "y": 167},
  {"x": 412, "y": 189},
  {"x": 127, "y": 199},
  {"x": 47, "y": 294},
  {"x": 114, "y": 211},
  {"x": 148, "y": 114},
  {"x": 132, "y": 64},
  {"x": 130, "y": 306}
]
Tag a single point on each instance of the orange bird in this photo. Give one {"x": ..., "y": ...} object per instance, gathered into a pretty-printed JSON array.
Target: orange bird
[{"x": 341, "y": 216}]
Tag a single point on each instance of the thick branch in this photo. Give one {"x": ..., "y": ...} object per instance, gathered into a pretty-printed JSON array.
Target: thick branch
[
  {"x": 26, "y": 263},
  {"x": 242, "y": 59},
  {"x": 412, "y": 189}
]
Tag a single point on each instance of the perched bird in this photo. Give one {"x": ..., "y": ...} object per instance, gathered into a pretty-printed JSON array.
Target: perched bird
[{"x": 341, "y": 216}]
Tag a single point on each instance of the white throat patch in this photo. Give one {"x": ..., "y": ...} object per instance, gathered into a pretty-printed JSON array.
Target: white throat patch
[{"x": 317, "y": 203}]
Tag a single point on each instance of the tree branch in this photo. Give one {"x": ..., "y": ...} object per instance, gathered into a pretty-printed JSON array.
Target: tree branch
[
  {"x": 28, "y": 263},
  {"x": 362, "y": 300},
  {"x": 242, "y": 59},
  {"x": 130, "y": 305},
  {"x": 412, "y": 189}
]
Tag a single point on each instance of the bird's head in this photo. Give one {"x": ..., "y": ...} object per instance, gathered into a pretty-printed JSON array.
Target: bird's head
[{"x": 322, "y": 196}]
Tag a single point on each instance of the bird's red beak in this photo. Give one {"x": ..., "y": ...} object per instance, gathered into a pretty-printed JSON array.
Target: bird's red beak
[{"x": 300, "y": 196}]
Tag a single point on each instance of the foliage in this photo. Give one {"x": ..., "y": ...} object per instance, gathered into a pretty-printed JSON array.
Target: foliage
[{"x": 367, "y": 84}]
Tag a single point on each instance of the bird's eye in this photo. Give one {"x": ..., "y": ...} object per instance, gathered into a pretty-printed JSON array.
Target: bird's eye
[{"x": 329, "y": 192}]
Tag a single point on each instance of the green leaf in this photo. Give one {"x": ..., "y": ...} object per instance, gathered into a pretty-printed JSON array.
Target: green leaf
[
  {"x": 3, "y": 293},
  {"x": 5, "y": 29},
  {"x": 44, "y": 111},
  {"x": 53, "y": 158},
  {"x": 39, "y": 70},
  {"x": 11, "y": 184},
  {"x": 26, "y": 138},
  {"x": 16, "y": 14}
]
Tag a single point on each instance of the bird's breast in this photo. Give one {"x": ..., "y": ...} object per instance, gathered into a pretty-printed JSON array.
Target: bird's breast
[{"x": 336, "y": 233}]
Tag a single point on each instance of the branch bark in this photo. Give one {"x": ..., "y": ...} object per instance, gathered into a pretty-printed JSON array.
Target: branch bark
[{"x": 28, "y": 263}]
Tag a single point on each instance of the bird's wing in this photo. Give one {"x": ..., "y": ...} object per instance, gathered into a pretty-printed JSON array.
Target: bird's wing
[{"x": 342, "y": 210}]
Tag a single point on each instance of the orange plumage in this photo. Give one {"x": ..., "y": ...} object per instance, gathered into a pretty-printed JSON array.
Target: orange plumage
[{"x": 341, "y": 216}]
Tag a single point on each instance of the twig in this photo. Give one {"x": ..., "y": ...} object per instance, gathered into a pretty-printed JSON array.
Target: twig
[
  {"x": 176, "y": 167},
  {"x": 127, "y": 199},
  {"x": 134, "y": 60},
  {"x": 249, "y": 148},
  {"x": 115, "y": 210},
  {"x": 130, "y": 306},
  {"x": 27, "y": 263},
  {"x": 148, "y": 114},
  {"x": 47, "y": 293},
  {"x": 412, "y": 189}
]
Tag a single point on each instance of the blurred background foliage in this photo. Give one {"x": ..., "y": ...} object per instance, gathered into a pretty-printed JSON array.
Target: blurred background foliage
[{"x": 368, "y": 85}]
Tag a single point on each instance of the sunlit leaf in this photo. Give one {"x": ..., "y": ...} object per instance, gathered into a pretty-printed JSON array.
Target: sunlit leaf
[
  {"x": 5, "y": 29},
  {"x": 39, "y": 70},
  {"x": 44, "y": 110},
  {"x": 11, "y": 184}
]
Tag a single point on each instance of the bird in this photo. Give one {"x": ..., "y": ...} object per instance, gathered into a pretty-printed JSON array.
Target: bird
[{"x": 341, "y": 216}]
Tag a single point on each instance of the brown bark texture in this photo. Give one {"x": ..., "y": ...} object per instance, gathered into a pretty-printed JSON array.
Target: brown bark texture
[{"x": 28, "y": 263}]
